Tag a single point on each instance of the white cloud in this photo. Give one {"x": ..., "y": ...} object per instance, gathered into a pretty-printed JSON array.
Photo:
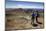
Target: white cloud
[
  {"x": 29, "y": 0},
  {"x": 22, "y": 6}
]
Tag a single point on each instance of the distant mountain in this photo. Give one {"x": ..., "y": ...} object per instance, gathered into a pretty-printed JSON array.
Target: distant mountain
[{"x": 22, "y": 10}]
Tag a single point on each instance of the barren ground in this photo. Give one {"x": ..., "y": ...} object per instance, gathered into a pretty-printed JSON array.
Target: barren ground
[{"x": 21, "y": 22}]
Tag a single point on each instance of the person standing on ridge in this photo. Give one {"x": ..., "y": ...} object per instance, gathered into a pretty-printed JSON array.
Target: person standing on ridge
[
  {"x": 33, "y": 17},
  {"x": 37, "y": 16}
]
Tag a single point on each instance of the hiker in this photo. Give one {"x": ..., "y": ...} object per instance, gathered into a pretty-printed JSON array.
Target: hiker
[
  {"x": 33, "y": 17},
  {"x": 37, "y": 16}
]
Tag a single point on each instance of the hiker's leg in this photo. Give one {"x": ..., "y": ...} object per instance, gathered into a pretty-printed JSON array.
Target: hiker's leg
[
  {"x": 32, "y": 22},
  {"x": 38, "y": 21}
]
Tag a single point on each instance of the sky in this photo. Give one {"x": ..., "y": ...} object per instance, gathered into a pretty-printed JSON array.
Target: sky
[{"x": 24, "y": 4}]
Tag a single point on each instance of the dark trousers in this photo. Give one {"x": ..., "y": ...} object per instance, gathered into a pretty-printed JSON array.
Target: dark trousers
[
  {"x": 32, "y": 20},
  {"x": 36, "y": 19}
]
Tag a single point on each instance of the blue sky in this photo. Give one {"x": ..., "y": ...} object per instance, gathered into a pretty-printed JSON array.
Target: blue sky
[{"x": 23, "y": 4}]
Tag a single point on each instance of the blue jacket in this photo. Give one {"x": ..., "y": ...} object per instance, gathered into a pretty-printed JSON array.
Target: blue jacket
[{"x": 33, "y": 15}]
